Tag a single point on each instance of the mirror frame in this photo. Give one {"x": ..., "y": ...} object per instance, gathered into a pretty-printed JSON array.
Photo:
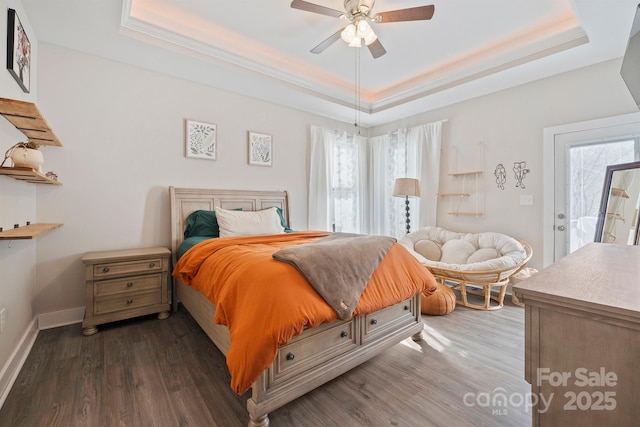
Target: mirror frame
[{"x": 604, "y": 201}]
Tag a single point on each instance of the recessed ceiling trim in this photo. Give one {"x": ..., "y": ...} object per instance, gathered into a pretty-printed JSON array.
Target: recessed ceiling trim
[{"x": 446, "y": 78}]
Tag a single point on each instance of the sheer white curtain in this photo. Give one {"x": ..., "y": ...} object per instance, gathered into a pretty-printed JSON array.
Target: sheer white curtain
[
  {"x": 351, "y": 179},
  {"x": 406, "y": 153},
  {"x": 337, "y": 182}
]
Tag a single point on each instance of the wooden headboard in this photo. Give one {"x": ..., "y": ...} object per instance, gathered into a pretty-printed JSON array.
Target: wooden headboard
[{"x": 186, "y": 200}]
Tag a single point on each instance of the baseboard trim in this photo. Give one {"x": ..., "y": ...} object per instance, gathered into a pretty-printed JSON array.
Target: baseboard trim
[
  {"x": 16, "y": 360},
  {"x": 60, "y": 318}
]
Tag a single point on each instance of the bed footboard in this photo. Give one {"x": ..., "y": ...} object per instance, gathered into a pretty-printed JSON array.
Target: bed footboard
[{"x": 316, "y": 356}]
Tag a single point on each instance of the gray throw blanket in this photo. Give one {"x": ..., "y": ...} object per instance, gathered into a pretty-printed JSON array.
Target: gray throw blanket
[{"x": 338, "y": 266}]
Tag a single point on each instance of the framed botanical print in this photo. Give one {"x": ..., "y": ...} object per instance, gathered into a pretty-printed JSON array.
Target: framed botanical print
[
  {"x": 260, "y": 149},
  {"x": 201, "y": 140},
  {"x": 18, "y": 51}
]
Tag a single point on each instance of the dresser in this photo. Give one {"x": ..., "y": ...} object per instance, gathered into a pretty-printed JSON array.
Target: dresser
[
  {"x": 582, "y": 338},
  {"x": 122, "y": 284}
]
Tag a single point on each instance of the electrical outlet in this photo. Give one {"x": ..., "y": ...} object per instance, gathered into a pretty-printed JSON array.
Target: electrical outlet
[{"x": 3, "y": 318}]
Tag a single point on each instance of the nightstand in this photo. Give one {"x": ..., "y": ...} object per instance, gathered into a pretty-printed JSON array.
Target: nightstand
[{"x": 123, "y": 284}]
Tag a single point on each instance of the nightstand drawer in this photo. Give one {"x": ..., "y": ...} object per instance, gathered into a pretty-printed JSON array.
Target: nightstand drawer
[
  {"x": 120, "y": 268},
  {"x": 128, "y": 284},
  {"x": 114, "y": 303}
]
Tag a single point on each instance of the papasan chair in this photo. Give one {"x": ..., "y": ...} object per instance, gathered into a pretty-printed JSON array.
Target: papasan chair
[{"x": 472, "y": 263}]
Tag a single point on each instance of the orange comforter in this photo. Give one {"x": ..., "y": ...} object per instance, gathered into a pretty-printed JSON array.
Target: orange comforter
[{"x": 265, "y": 303}]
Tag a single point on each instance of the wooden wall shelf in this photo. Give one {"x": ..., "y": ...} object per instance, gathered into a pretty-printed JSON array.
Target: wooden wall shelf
[
  {"x": 28, "y": 231},
  {"x": 26, "y": 117},
  {"x": 29, "y": 175}
]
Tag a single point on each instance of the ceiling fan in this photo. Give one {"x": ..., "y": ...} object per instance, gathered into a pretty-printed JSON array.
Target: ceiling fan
[{"x": 359, "y": 14}]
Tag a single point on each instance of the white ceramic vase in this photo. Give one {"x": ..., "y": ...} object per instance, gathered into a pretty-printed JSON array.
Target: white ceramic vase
[{"x": 27, "y": 158}]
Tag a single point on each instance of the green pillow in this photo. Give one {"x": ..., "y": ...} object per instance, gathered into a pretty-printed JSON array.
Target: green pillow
[
  {"x": 283, "y": 222},
  {"x": 202, "y": 223}
]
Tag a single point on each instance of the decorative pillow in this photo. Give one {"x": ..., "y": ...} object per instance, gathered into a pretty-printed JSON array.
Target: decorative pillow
[
  {"x": 428, "y": 249},
  {"x": 248, "y": 223},
  {"x": 456, "y": 251},
  {"x": 483, "y": 254},
  {"x": 202, "y": 223},
  {"x": 283, "y": 222}
]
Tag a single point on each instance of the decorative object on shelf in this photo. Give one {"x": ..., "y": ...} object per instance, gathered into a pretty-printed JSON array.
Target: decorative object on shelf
[
  {"x": 520, "y": 170},
  {"x": 260, "y": 149},
  {"x": 25, "y": 155},
  {"x": 407, "y": 187},
  {"x": 18, "y": 51},
  {"x": 201, "y": 140},
  {"x": 501, "y": 176},
  {"x": 51, "y": 175}
]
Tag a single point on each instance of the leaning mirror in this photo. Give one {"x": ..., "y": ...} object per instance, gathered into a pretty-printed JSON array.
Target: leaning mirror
[{"x": 618, "y": 215}]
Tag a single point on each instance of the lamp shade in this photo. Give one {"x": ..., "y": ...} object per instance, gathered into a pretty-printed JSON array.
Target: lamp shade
[{"x": 406, "y": 187}]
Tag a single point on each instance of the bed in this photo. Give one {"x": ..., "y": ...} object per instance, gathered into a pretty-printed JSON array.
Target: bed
[{"x": 316, "y": 356}]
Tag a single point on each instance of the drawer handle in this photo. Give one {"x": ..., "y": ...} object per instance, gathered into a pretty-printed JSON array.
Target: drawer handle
[
  {"x": 290, "y": 356},
  {"x": 152, "y": 264},
  {"x": 105, "y": 270},
  {"x": 344, "y": 334},
  {"x": 129, "y": 284},
  {"x": 406, "y": 307},
  {"x": 374, "y": 322},
  {"x": 129, "y": 301}
]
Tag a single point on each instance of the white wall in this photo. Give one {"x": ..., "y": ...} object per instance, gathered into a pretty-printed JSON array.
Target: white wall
[
  {"x": 122, "y": 130},
  {"x": 510, "y": 123},
  {"x": 17, "y": 205}
]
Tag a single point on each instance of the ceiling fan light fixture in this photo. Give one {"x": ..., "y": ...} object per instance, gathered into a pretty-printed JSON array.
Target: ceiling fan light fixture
[
  {"x": 349, "y": 33},
  {"x": 364, "y": 29},
  {"x": 370, "y": 38},
  {"x": 356, "y": 42}
]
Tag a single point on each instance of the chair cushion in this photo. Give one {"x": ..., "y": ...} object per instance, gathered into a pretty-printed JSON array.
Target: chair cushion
[{"x": 470, "y": 252}]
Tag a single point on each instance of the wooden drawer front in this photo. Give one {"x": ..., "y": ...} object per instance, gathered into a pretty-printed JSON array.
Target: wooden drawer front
[
  {"x": 310, "y": 351},
  {"x": 381, "y": 321},
  {"x": 122, "y": 302},
  {"x": 130, "y": 284},
  {"x": 120, "y": 268}
]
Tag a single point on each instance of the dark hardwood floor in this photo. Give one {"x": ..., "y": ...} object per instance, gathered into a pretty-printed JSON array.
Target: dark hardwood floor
[{"x": 149, "y": 372}]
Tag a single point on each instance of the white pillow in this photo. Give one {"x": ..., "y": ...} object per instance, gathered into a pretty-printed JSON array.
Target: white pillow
[
  {"x": 248, "y": 223},
  {"x": 456, "y": 251}
]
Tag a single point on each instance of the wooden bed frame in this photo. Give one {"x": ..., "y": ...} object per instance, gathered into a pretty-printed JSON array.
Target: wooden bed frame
[{"x": 316, "y": 356}]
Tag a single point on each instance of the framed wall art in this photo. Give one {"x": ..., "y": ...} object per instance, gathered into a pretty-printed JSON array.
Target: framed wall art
[
  {"x": 260, "y": 149},
  {"x": 18, "y": 51},
  {"x": 201, "y": 140}
]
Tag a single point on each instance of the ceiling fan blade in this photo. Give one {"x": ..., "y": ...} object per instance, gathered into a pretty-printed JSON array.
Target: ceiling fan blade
[
  {"x": 376, "y": 49},
  {"x": 316, "y": 8},
  {"x": 419, "y": 13},
  {"x": 327, "y": 42}
]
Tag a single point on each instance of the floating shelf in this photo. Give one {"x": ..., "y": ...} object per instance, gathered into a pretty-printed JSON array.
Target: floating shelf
[
  {"x": 26, "y": 117},
  {"x": 620, "y": 192},
  {"x": 453, "y": 194},
  {"x": 28, "y": 231},
  {"x": 29, "y": 175},
  {"x": 476, "y": 214},
  {"x": 465, "y": 173}
]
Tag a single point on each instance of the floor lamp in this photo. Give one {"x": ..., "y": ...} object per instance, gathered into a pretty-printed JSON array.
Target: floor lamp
[{"x": 407, "y": 187}]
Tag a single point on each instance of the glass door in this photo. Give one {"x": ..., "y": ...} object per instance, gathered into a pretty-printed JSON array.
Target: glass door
[{"x": 580, "y": 166}]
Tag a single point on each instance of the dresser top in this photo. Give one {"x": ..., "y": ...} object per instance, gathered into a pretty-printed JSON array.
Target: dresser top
[
  {"x": 124, "y": 254},
  {"x": 600, "y": 276}
]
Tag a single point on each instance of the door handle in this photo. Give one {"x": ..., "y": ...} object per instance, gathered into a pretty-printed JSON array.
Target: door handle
[{"x": 561, "y": 228}]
